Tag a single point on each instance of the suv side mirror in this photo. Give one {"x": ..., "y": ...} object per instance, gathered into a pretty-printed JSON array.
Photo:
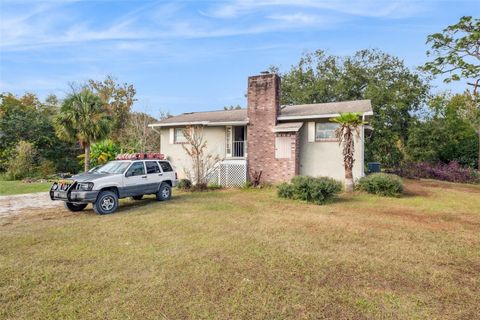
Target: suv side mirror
[{"x": 129, "y": 173}]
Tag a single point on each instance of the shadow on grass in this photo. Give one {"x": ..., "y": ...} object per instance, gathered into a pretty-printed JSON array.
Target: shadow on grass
[
  {"x": 346, "y": 198},
  {"x": 128, "y": 204}
]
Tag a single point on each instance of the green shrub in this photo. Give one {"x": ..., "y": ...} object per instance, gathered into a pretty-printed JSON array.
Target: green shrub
[
  {"x": 316, "y": 190},
  {"x": 382, "y": 184},
  {"x": 22, "y": 164},
  {"x": 184, "y": 184},
  {"x": 285, "y": 190},
  {"x": 102, "y": 152},
  {"x": 46, "y": 168}
]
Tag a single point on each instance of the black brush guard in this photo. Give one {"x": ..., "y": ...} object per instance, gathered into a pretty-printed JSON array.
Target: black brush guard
[{"x": 62, "y": 191}]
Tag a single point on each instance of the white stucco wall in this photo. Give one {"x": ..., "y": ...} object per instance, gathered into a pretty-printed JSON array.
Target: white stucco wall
[
  {"x": 320, "y": 158},
  {"x": 324, "y": 158},
  {"x": 215, "y": 137}
]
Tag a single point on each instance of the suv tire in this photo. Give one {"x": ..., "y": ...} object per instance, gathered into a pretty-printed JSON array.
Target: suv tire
[
  {"x": 164, "y": 192},
  {"x": 75, "y": 207},
  {"x": 107, "y": 202},
  {"x": 139, "y": 197}
]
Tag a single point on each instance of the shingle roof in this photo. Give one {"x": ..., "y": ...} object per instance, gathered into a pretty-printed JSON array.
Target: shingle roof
[
  {"x": 208, "y": 117},
  {"x": 319, "y": 109},
  {"x": 290, "y": 112},
  {"x": 288, "y": 127}
]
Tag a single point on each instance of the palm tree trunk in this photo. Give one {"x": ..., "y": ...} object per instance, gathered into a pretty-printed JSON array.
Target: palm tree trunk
[
  {"x": 348, "y": 180},
  {"x": 87, "y": 156}
]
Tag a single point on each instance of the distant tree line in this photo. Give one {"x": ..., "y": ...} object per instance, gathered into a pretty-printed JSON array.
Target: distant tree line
[{"x": 88, "y": 127}]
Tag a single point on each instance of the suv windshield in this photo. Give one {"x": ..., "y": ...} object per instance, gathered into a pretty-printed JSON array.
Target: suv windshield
[{"x": 113, "y": 167}]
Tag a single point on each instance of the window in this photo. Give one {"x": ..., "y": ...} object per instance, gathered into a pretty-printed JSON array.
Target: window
[
  {"x": 113, "y": 167},
  {"x": 179, "y": 137},
  {"x": 136, "y": 169},
  {"x": 152, "y": 167},
  {"x": 325, "y": 130},
  {"x": 166, "y": 167}
]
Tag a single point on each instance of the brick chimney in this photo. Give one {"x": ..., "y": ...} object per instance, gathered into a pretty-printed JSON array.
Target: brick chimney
[
  {"x": 262, "y": 140},
  {"x": 263, "y": 109}
]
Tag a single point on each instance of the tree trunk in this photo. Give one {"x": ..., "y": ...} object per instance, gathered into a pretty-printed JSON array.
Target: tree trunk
[
  {"x": 87, "y": 157},
  {"x": 478, "y": 164},
  {"x": 348, "y": 180}
]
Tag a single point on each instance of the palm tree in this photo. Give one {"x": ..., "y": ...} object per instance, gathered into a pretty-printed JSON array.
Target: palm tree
[
  {"x": 82, "y": 118},
  {"x": 348, "y": 129}
]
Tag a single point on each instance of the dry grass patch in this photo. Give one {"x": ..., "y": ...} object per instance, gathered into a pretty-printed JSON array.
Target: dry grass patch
[{"x": 247, "y": 254}]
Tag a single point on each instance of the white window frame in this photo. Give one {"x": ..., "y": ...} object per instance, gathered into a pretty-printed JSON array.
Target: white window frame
[
  {"x": 329, "y": 134},
  {"x": 228, "y": 141},
  {"x": 175, "y": 137}
]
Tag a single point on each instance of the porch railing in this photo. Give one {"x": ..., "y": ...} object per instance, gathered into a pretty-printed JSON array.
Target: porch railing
[{"x": 239, "y": 148}]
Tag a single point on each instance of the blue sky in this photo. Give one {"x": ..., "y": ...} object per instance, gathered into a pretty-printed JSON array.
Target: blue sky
[{"x": 196, "y": 55}]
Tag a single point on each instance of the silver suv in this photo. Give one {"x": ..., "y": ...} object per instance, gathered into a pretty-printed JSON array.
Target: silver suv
[{"x": 115, "y": 180}]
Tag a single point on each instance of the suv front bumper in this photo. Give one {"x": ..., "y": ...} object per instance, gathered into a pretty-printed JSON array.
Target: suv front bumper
[{"x": 68, "y": 194}]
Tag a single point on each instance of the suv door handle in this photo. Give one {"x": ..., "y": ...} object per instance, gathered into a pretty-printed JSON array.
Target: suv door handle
[
  {"x": 160, "y": 174},
  {"x": 144, "y": 177}
]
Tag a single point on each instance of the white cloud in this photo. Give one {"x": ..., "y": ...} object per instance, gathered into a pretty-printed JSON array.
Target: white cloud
[
  {"x": 37, "y": 25},
  {"x": 366, "y": 8},
  {"x": 300, "y": 18}
]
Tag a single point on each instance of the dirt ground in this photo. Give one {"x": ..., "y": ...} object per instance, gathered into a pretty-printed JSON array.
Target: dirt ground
[{"x": 16, "y": 204}]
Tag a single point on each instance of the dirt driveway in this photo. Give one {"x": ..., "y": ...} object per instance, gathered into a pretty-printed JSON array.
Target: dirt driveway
[{"x": 12, "y": 205}]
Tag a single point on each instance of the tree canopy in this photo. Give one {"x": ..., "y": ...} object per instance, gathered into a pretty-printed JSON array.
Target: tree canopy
[
  {"x": 117, "y": 98},
  {"x": 456, "y": 52},
  {"x": 28, "y": 119},
  {"x": 82, "y": 118}
]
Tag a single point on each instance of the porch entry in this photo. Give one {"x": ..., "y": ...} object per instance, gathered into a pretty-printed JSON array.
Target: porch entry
[{"x": 236, "y": 141}]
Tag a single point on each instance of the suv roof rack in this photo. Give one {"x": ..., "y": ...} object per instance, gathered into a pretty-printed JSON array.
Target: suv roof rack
[{"x": 140, "y": 156}]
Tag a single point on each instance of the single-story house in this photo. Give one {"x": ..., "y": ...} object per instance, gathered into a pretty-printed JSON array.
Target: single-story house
[{"x": 280, "y": 141}]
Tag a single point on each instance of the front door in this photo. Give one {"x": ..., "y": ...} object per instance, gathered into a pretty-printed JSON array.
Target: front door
[
  {"x": 135, "y": 180},
  {"x": 238, "y": 149}
]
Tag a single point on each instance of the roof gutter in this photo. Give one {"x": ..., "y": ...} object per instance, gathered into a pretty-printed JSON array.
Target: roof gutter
[{"x": 198, "y": 123}]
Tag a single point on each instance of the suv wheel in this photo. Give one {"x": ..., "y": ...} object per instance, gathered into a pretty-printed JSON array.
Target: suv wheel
[
  {"x": 107, "y": 202},
  {"x": 75, "y": 207},
  {"x": 137, "y": 197},
  {"x": 164, "y": 192}
]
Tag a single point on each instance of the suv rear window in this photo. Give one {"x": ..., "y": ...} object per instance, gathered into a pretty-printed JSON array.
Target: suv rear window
[
  {"x": 166, "y": 167},
  {"x": 152, "y": 167}
]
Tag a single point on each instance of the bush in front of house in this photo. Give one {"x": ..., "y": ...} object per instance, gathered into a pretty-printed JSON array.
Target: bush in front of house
[
  {"x": 316, "y": 190},
  {"x": 184, "y": 184},
  {"x": 382, "y": 184},
  {"x": 285, "y": 190}
]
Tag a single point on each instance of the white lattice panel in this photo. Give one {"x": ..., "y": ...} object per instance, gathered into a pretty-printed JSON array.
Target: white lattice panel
[{"x": 230, "y": 173}]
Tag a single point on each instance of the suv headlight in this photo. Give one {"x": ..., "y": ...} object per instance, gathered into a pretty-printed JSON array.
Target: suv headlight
[{"x": 85, "y": 186}]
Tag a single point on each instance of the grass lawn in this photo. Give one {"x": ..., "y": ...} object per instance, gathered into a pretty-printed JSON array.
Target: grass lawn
[
  {"x": 249, "y": 255},
  {"x": 18, "y": 187}
]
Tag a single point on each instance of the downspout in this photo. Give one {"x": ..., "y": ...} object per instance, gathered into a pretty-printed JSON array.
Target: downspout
[
  {"x": 159, "y": 138},
  {"x": 363, "y": 145}
]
